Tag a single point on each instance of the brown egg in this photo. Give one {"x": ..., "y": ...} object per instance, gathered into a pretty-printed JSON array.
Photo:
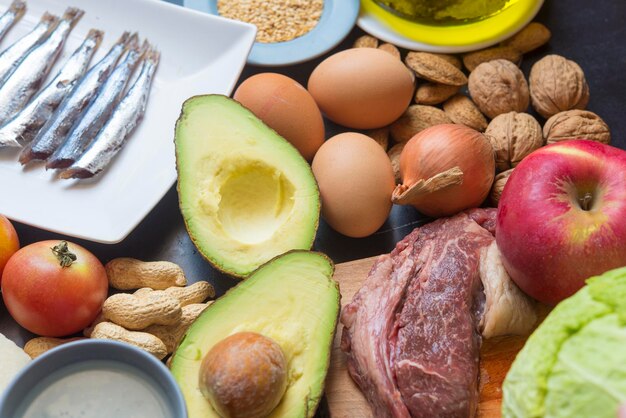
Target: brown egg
[
  {"x": 285, "y": 106},
  {"x": 362, "y": 88},
  {"x": 356, "y": 180},
  {"x": 244, "y": 376}
]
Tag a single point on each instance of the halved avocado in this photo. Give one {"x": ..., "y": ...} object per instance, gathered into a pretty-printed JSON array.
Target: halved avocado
[
  {"x": 292, "y": 300},
  {"x": 245, "y": 193}
]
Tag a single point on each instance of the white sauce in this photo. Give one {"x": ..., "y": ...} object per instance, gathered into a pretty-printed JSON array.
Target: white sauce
[{"x": 96, "y": 389}]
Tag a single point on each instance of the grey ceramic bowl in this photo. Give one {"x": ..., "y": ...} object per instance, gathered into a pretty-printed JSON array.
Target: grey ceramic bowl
[{"x": 129, "y": 357}]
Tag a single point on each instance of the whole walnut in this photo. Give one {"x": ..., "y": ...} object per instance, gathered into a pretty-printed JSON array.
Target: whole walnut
[
  {"x": 513, "y": 136},
  {"x": 557, "y": 84},
  {"x": 498, "y": 87},
  {"x": 573, "y": 124},
  {"x": 498, "y": 186}
]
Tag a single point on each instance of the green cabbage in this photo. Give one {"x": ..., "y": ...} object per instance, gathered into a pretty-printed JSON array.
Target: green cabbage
[{"x": 574, "y": 364}]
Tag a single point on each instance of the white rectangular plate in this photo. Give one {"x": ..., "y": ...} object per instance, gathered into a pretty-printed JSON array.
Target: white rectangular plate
[{"x": 200, "y": 54}]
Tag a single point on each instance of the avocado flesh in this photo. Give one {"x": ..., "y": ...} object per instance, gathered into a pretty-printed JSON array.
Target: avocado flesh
[
  {"x": 245, "y": 193},
  {"x": 291, "y": 299}
]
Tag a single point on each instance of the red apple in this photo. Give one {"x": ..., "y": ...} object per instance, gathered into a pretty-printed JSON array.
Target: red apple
[
  {"x": 9, "y": 242},
  {"x": 562, "y": 218}
]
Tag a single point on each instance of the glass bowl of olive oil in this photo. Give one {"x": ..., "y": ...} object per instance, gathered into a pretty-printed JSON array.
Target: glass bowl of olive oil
[{"x": 446, "y": 25}]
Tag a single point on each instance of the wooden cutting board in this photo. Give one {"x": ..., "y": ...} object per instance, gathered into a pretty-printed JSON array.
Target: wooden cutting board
[{"x": 344, "y": 397}]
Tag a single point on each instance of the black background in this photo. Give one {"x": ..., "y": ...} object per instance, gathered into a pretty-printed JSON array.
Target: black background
[{"x": 592, "y": 33}]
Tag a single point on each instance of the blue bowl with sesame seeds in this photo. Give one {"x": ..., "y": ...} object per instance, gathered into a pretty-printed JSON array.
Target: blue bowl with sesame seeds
[{"x": 337, "y": 19}]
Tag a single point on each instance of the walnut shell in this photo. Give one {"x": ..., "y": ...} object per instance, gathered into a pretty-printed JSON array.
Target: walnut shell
[
  {"x": 573, "y": 124},
  {"x": 498, "y": 186},
  {"x": 498, "y": 87},
  {"x": 415, "y": 119},
  {"x": 513, "y": 136},
  {"x": 463, "y": 111},
  {"x": 557, "y": 84}
]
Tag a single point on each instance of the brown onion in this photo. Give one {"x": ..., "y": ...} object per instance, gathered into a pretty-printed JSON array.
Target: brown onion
[{"x": 445, "y": 169}]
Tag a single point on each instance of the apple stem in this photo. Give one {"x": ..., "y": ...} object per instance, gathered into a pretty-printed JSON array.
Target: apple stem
[
  {"x": 63, "y": 254},
  {"x": 585, "y": 201}
]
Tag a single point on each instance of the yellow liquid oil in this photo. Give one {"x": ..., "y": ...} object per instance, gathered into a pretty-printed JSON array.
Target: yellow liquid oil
[{"x": 445, "y": 12}]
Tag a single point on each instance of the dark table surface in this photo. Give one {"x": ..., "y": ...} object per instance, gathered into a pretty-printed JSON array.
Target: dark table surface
[{"x": 590, "y": 33}]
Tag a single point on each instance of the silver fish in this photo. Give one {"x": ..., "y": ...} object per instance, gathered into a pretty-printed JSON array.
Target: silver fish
[
  {"x": 34, "y": 68},
  {"x": 98, "y": 111},
  {"x": 25, "y": 125},
  {"x": 14, "y": 13},
  {"x": 56, "y": 128},
  {"x": 118, "y": 128},
  {"x": 11, "y": 57}
]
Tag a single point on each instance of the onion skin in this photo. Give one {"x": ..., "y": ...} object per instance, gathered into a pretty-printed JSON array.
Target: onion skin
[{"x": 445, "y": 169}]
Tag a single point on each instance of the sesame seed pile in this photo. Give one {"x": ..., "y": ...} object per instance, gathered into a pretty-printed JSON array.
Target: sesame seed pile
[{"x": 276, "y": 20}]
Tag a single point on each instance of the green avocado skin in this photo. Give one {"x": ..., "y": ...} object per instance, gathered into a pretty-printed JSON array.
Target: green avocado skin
[{"x": 574, "y": 364}]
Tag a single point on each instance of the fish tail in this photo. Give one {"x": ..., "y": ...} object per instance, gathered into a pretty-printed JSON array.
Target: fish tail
[
  {"x": 73, "y": 15},
  {"x": 75, "y": 173},
  {"x": 153, "y": 56},
  {"x": 123, "y": 40},
  {"x": 48, "y": 17},
  {"x": 145, "y": 47},
  {"x": 133, "y": 42},
  {"x": 27, "y": 155},
  {"x": 18, "y": 8},
  {"x": 96, "y": 35},
  {"x": 61, "y": 162}
]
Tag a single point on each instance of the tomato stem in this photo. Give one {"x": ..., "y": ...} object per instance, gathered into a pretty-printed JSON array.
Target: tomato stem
[{"x": 63, "y": 254}]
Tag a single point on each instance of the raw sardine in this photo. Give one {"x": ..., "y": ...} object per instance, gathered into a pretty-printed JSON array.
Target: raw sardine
[
  {"x": 14, "y": 13},
  {"x": 118, "y": 128},
  {"x": 34, "y": 68},
  {"x": 97, "y": 113},
  {"x": 56, "y": 128},
  {"x": 25, "y": 125},
  {"x": 11, "y": 57}
]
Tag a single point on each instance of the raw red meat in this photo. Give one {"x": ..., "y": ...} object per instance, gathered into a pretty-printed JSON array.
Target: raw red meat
[{"x": 412, "y": 331}]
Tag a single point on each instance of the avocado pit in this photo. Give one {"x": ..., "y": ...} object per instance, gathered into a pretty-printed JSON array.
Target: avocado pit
[{"x": 244, "y": 376}]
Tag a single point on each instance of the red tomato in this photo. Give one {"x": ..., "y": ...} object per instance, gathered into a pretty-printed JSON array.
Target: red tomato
[
  {"x": 51, "y": 300},
  {"x": 9, "y": 243}
]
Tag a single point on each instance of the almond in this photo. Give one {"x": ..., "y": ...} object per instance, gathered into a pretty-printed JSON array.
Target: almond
[
  {"x": 433, "y": 93},
  {"x": 451, "y": 59},
  {"x": 415, "y": 119},
  {"x": 365, "y": 41},
  {"x": 391, "y": 49},
  {"x": 380, "y": 135},
  {"x": 434, "y": 68},
  {"x": 530, "y": 38},
  {"x": 462, "y": 110},
  {"x": 394, "y": 155},
  {"x": 474, "y": 59}
]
